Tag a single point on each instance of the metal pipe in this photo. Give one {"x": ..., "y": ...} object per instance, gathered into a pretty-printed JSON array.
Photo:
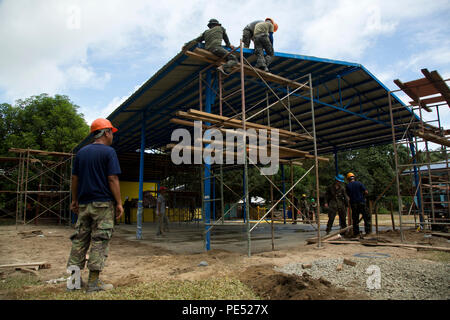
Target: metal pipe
[
  {"x": 141, "y": 182},
  {"x": 396, "y": 167},
  {"x": 316, "y": 161},
  {"x": 247, "y": 208}
]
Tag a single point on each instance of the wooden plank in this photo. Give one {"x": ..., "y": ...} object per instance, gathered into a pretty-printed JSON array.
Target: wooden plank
[
  {"x": 433, "y": 138},
  {"x": 40, "y": 152},
  {"x": 400, "y": 245},
  {"x": 435, "y": 78},
  {"x": 249, "y": 124},
  {"x": 328, "y": 236},
  {"x": 411, "y": 94},
  {"x": 209, "y": 57},
  {"x": 441, "y": 234},
  {"x": 204, "y": 126},
  {"x": 225, "y": 153},
  {"x": 40, "y": 265},
  {"x": 428, "y": 101}
]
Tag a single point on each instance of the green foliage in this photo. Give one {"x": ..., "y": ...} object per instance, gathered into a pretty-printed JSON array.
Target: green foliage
[{"x": 42, "y": 122}]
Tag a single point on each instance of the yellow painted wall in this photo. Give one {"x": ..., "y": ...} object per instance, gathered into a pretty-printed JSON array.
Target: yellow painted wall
[{"x": 131, "y": 189}]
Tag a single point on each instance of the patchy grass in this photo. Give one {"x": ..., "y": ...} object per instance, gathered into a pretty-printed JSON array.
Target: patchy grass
[
  {"x": 440, "y": 256},
  {"x": 211, "y": 289},
  {"x": 17, "y": 283}
]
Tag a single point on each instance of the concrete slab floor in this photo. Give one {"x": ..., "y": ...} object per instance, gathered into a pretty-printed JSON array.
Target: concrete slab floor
[{"x": 187, "y": 238}]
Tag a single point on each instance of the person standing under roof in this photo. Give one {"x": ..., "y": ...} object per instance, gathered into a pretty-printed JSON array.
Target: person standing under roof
[
  {"x": 337, "y": 201},
  {"x": 213, "y": 43},
  {"x": 305, "y": 208},
  {"x": 163, "y": 221},
  {"x": 357, "y": 193},
  {"x": 95, "y": 197},
  {"x": 263, "y": 39},
  {"x": 247, "y": 33},
  {"x": 127, "y": 208}
]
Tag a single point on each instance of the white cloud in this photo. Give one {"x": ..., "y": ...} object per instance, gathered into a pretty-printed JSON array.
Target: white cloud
[{"x": 52, "y": 45}]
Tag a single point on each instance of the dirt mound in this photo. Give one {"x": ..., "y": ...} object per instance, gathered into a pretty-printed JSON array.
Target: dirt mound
[{"x": 273, "y": 285}]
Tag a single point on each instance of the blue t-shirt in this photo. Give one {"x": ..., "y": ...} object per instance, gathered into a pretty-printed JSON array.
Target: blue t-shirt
[
  {"x": 92, "y": 165},
  {"x": 355, "y": 190}
]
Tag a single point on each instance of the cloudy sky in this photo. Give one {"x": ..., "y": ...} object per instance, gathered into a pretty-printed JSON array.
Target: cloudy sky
[{"x": 99, "y": 52}]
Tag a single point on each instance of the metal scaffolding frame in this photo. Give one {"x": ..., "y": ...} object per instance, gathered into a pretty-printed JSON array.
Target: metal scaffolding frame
[
  {"x": 429, "y": 192},
  {"x": 213, "y": 88},
  {"x": 44, "y": 183}
]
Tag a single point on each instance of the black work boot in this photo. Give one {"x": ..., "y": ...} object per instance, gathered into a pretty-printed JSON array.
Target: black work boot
[
  {"x": 95, "y": 284},
  {"x": 98, "y": 285}
]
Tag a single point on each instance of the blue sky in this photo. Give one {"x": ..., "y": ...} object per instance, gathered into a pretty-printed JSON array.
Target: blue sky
[{"x": 99, "y": 52}]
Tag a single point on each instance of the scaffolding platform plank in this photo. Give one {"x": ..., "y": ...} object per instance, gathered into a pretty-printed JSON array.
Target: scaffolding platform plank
[
  {"x": 235, "y": 123},
  {"x": 433, "y": 138},
  {"x": 209, "y": 57}
]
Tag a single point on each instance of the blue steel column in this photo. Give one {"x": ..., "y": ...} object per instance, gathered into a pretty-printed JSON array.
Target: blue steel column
[{"x": 141, "y": 182}]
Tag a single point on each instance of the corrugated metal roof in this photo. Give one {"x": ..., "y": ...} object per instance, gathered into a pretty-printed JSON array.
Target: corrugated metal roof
[{"x": 351, "y": 105}]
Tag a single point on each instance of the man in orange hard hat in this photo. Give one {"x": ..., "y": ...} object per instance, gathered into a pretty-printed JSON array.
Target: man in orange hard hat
[
  {"x": 247, "y": 33},
  {"x": 263, "y": 39},
  {"x": 95, "y": 198},
  {"x": 357, "y": 192}
]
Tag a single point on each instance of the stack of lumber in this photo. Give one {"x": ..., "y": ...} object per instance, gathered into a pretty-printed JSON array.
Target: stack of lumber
[{"x": 226, "y": 122}]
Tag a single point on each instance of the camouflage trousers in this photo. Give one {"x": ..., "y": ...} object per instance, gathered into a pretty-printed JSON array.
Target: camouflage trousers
[
  {"x": 231, "y": 59},
  {"x": 341, "y": 211},
  {"x": 94, "y": 228},
  {"x": 247, "y": 36},
  {"x": 163, "y": 223},
  {"x": 262, "y": 43}
]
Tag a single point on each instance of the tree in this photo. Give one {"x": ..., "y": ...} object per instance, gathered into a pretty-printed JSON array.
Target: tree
[{"x": 42, "y": 122}]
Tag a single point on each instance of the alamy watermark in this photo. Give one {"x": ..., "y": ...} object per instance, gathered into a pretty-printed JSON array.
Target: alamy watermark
[
  {"x": 73, "y": 21},
  {"x": 74, "y": 280},
  {"x": 374, "y": 280},
  {"x": 262, "y": 147}
]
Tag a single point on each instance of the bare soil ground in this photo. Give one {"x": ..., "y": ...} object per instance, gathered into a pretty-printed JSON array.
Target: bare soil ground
[{"x": 132, "y": 265}]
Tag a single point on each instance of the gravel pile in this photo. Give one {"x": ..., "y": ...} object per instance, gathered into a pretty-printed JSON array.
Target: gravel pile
[{"x": 401, "y": 279}]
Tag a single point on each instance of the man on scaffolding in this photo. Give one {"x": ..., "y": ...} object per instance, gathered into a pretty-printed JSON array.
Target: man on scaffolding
[{"x": 213, "y": 43}]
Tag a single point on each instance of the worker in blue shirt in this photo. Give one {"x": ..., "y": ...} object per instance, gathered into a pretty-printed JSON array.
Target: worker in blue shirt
[
  {"x": 357, "y": 193},
  {"x": 96, "y": 199}
]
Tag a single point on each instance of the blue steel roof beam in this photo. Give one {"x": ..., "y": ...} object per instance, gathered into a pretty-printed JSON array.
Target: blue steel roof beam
[
  {"x": 172, "y": 64},
  {"x": 175, "y": 90},
  {"x": 358, "y": 91},
  {"x": 181, "y": 85},
  {"x": 334, "y": 92},
  {"x": 317, "y": 73},
  {"x": 325, "y": 78},
  {"x": 127, "y": 140},
  {"x": 343, "y": 132},
  {"x": 347, "y": 97},
  {"x": 307, "y": 99},
  {"x": 387, "y": 139}
]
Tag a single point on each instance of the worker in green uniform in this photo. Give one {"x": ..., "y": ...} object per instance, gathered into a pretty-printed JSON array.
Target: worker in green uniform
[
  {"x": 304, "y": 208},
  {"x": 263, "y": 39},
  {"x": 213, "y": 43},
  {"x": 336, "y": 200},
  {"x": 247, "y": 33}
]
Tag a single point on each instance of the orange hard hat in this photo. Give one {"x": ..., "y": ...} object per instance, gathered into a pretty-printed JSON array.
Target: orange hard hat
[
  {"x": 349, "y": 175},
  {"x": 275, "y": 26},
  {"x": 100, "y": 123}
]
